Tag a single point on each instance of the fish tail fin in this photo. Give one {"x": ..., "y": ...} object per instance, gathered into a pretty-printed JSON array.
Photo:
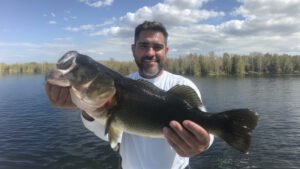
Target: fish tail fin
[{"x": 235, "y": 127}]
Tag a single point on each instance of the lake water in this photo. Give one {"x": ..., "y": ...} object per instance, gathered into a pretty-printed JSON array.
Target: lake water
[{"x": 35, "y": 135}]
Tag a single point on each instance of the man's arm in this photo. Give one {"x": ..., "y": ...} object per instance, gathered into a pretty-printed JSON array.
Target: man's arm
[{"x": 60, "y": 97}]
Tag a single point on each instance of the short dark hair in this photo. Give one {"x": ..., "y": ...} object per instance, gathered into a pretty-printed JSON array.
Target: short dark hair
[{"x": 150, "y": 26}]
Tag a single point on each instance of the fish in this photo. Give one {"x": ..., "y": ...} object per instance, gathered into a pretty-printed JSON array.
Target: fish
[{"x": 138, "y": 107}]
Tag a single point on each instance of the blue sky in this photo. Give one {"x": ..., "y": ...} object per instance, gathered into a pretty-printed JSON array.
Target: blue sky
[{"x": 42, "y": 30}]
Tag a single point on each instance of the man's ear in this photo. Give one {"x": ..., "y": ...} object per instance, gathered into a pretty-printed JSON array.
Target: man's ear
[
  {"x": 167, "y": 50},
  {"x": 132, "y": 48}
]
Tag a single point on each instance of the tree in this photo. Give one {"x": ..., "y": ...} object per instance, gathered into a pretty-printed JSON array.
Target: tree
[{"x": 227, "y": 63}]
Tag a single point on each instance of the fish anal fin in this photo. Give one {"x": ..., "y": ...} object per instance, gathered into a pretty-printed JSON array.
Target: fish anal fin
[{"x": 186, "y": 93}]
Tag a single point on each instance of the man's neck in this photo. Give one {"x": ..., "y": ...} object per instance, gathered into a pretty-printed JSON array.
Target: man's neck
[{"x": 150, "y": 77}]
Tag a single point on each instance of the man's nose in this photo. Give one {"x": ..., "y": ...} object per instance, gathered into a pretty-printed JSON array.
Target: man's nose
[{"x": 150, "y": 51}]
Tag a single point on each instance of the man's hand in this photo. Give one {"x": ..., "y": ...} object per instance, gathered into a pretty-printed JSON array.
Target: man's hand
[
  {"x": 188, "y": 139},
  {"x": 59, "y": 96}
]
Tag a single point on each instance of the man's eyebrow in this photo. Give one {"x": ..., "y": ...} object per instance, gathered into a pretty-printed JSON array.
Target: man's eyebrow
[
  {"x": 147, "y": 43},
  {"x": 143, "y": 43}
]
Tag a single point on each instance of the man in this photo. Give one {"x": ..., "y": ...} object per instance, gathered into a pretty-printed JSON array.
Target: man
[{"x": 181, "y": 140}]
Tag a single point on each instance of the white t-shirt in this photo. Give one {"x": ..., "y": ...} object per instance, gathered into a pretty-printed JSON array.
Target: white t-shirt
[{"x": 139, "y": 152}]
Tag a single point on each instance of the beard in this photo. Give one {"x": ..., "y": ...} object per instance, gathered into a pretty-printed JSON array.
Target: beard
[{"x": 144, "y": 61}]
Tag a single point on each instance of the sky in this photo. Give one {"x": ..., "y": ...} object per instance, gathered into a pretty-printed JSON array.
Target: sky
[{"x": 43, "y": 30}]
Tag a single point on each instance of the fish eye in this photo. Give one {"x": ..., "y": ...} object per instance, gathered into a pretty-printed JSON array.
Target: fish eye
[
  {"x": 67, "y": 60},
  {"x": 65, "y": 65}
]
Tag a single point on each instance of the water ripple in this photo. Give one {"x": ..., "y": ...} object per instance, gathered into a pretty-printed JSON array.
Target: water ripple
[{"x": 35, "y": 135}]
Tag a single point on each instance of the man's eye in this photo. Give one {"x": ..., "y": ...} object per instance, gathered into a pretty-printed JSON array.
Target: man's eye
[
  {"x": 143, "y": 46},
  {"x": 158, "y": 47}
]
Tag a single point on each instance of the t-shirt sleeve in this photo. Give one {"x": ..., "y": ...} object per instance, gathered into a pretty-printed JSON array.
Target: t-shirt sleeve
[{"x": 97, "y": 128}]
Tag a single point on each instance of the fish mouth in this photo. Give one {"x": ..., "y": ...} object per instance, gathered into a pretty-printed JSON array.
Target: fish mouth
[
  {"x": 65, "y": 65},
  {"x": 56, "y": 77}
]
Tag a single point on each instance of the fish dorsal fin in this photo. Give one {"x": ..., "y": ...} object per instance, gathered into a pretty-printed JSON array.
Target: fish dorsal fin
[
  {"x": 186, "y": 93},
  {"x": 148, "y": 85}
]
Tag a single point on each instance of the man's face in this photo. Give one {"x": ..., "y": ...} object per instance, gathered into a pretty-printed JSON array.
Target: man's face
[{"x": 150, "y": 52}]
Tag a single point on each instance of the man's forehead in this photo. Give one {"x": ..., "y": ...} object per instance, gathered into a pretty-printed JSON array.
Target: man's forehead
[{"x": 151, "y": 36}]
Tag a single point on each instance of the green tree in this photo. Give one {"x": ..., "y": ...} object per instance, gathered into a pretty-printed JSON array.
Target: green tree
[{"x": 227, "y": 63}]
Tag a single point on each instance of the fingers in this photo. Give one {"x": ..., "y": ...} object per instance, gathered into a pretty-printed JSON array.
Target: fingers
[
  {"x": 174, "y": 141},
  {"x": 48, "y": 90},
  {"x": 62, "y": 96},
  {"x": 54, "y": 93},
  {"x": 187, "y": 141},
  {"x": 200, "y": 133},
  {"x": 59, "y": 96}
]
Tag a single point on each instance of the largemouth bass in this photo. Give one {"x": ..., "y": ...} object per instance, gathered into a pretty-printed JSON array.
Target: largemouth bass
[{"x": 138, "y": 107}]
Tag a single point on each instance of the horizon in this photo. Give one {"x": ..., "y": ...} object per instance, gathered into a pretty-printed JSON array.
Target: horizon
[{"x": 252, "y": 54}]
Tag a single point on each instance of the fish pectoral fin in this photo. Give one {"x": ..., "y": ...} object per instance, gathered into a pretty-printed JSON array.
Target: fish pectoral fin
[
  {"x": 113, "y": 133},
  {"x": 186, "y": 93}
]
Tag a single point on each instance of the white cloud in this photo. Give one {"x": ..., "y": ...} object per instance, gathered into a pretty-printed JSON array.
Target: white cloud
[
  {"x": 52, "y": 22},
  {"x": 94, "y": 51},
  {"x": 33, "y": 52},
  {"x": 63, "y": 39},
  {"x": 269, "y": 16},
  {"x": 172, "y": 14},
  {"x": 262, "y": 26},
  {"x": 254, "y": 26},
  {"x": 33, "y": 45},
  {"x": 115, "y": 48},
  {"x": 115, "y": 31},
  {"x": 53, "y": 14},
  {"x": 87, "y": 27},
  {"x": 184, "y": 4},
  {"x": 67, "y": 18},
  {"x": 92, "y": 28},
  {"x": 107, "y": 31},
  {"x": 169, "y": 14},
  {"x": 21, "y": 44},
  {"x": 97, "y": 3}
]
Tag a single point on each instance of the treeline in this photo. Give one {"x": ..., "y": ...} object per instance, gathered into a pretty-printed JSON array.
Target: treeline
[
  {"x": 193, "y": 64},
  {"x": 26, "y": 68},
  {"x": 42, "y": 68},
  {"x": 233, "y": 64}
]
